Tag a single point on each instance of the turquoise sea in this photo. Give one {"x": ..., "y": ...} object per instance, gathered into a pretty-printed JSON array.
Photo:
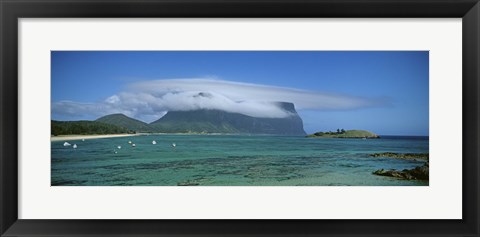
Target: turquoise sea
[{"x": 231, "y": 160}]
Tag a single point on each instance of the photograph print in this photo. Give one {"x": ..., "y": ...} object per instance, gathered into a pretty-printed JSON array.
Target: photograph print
[{"x": 239, "y": 118}]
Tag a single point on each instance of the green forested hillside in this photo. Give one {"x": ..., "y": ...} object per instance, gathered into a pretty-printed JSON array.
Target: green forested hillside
[
  {"x": 123, "y": 121},
  {"x": 84, "y": 128}
]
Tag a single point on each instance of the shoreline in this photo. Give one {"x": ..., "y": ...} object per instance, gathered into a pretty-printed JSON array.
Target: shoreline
[
  {"x": 86, "y": 137},
  {"x": 100, "y": 136}
]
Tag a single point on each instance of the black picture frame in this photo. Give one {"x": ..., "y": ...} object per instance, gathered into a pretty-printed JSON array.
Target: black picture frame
[{"x": 11, "y": 11}]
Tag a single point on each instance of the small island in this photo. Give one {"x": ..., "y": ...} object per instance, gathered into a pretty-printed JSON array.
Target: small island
[{"x": 341, "y": 133}]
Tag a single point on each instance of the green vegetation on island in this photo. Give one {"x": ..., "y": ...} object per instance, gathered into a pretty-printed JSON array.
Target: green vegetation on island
[
  {"x": 85, "y": 128},
  {"x": 341, "y": 133}
]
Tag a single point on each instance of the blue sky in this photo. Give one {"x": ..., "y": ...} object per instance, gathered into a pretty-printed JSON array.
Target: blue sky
[{"x": 385, "y": 92}]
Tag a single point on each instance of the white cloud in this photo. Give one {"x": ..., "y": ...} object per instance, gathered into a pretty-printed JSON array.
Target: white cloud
[{"x": 149, "y": 100}]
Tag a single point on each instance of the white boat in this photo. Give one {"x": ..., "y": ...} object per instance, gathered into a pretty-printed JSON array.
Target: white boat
[
  {"x": 154, "y": 142},
  {"x": 119, "y": 147},
  {"x": 74, "y": 146},
  {"x": 174, "y": 145},
  {"x": 133, "y": 144},
  {"x": 66, "y": 144},
  {"x": 129, "y": 142}
]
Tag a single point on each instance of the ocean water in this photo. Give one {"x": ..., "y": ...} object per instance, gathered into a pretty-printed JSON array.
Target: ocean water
[{"x": 232, "y": 160}]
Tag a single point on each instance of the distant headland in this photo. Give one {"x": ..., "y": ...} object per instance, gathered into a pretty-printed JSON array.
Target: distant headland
[{"x": 341, "y": 133}]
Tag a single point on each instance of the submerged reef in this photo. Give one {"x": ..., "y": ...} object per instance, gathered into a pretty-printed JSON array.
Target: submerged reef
[
  {"x": 401, "y": 155},
  {"x": 417, "y": 173}
]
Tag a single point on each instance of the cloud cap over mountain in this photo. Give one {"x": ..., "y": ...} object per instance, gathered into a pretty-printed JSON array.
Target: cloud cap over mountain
[{"x": 149, "y": 100}]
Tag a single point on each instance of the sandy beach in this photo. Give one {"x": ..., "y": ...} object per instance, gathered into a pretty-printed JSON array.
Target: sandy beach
[{"x": 80, "y": 137}]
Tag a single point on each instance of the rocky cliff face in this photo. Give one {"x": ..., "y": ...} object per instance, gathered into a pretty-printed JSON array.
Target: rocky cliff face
[{"x": 217, "y": 121}]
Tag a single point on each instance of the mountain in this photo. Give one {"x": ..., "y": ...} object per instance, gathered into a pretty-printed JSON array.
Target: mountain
[
  {"x": 124, "y": 121},
  {"x": 217, "y": 121},
  {"x": 84, "y": 128}
]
